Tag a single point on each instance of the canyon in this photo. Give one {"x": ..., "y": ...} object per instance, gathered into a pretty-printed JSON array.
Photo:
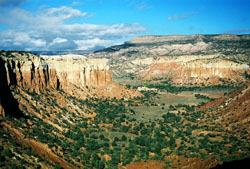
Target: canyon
[
  {"x": 152, "y": 102},
  {"x": 206, "y": 70},
  {"x": 35, "y": 74},
  {"x": 184, "y": 59}
]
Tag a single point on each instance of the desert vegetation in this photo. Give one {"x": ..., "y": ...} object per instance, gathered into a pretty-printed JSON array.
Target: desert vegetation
[
  {"x": 71, "y": 114},
  {"x": 110, "y": 133}
]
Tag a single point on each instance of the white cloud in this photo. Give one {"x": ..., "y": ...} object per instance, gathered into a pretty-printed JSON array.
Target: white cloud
[
  {"x": 20, "y": 40},
  {"x": 91, "y": 43},
  {"x": 59, "y": 40},
  {"x": 64, "y": 12},
  {"x": 48, "y": 30}
]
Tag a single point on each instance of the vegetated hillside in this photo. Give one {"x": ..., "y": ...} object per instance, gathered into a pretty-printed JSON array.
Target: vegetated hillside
[
  {"x": 36, "y": 95},
  {"x": 133, "y": 58},
  {"x": 233, "y": 112},
  {"x": 68, "y": 113},
  {"x": 58, "y": 129}
]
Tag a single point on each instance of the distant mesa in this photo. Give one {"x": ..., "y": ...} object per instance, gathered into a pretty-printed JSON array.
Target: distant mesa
[
  {"x": 154, "y": 39},
  {"x": 193, "y": 59}
]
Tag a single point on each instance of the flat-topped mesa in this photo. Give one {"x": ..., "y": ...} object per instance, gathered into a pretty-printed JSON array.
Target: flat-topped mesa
[
  {"x": 156, "y": 39},
  {"x": 33, "y": 73}
]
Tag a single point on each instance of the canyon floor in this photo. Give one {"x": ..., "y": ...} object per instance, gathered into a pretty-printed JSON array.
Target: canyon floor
[{"x": 87, "y": 113}]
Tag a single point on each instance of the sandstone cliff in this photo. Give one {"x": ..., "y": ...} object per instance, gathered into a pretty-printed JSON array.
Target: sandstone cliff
[
  {"x": 196, "y": 69},
  {"x": 196, "y": 57},
  {"x": 27, "y": 71},
  {"x": 81, "y": 72},
  {"x": 33, "y": 73},
  {"x": 80, "y": 77}
]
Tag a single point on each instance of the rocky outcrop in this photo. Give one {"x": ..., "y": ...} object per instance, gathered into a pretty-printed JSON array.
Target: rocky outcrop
[
  {"x": 27, "y": 71},
  {"x": 33, "y": 73},
  {"x": 143, "y": 53},
  {"x": 195, "y": 69},
  {"x": 80, "y": 72},
  {"x": 8, "y": 104}
]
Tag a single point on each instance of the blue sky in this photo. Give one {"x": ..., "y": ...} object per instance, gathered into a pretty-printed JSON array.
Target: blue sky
[{"x": 91, "y": 24}]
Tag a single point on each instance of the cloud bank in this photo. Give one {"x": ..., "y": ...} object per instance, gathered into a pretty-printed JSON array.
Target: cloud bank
[{"x": 49, "y": 29}]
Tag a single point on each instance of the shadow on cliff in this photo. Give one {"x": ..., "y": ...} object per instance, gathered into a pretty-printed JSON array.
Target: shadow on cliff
[
  {"x": 238, "y": 164},
  {"x": 9, "y": 103}
]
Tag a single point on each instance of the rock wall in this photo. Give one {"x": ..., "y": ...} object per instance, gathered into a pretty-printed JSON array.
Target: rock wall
[
  {"x": 80, "y": 72},
  {"x": 132, "y": 57},
  {"x": 8, "y": 104},
  {"x": 193, "y": 69},
  {"x": 33, "y": 73}
]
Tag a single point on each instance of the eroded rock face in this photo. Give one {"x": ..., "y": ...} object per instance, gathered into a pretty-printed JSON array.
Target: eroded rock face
[
  {"x": 194, "y": 69},
  {"x": 81, "y": 72},
  {"x": 183, "y": 56},
  {"x": 27, "y": 71},
  {"x": 33, "y": 73}
]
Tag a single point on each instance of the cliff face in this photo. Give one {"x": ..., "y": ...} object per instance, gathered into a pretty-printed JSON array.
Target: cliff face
[
  {"x": 195, "y": 69},
  {"x": 182, "y": 58},
  {"x": 29, "y": 72},
  {"x": 36, "y": 74},
  {"x": 82, "y": 72},
  {"x": 32, "y": 73}
]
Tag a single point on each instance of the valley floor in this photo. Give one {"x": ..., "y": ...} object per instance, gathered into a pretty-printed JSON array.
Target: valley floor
[{"x": 167, "y": 129}]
